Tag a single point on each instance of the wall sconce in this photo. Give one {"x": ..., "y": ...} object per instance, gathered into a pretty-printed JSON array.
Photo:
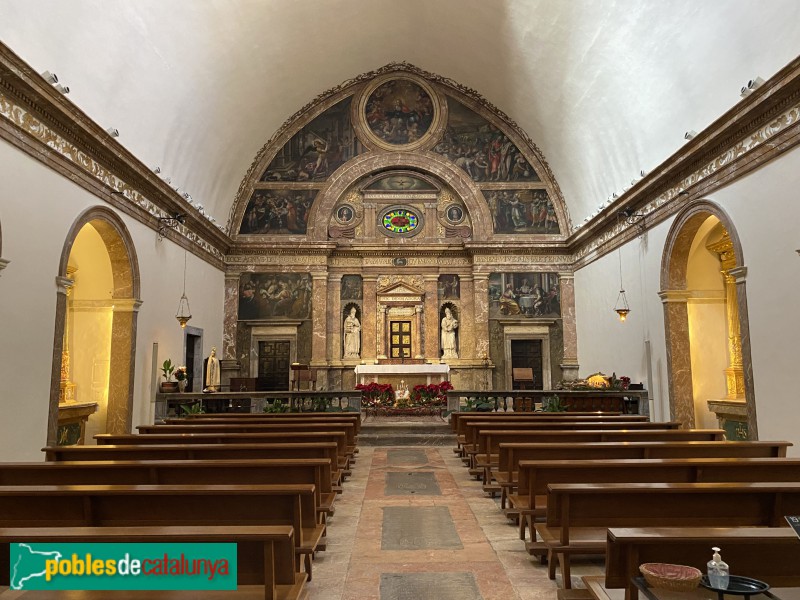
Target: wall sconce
[
  {"x": 112, "y": 132},
  {"x": 184, "y": 312},
  {"x": 691, "y": 134},
  {"x": 621, "y": 307},
  {"x": 172, "y": 222},
  {"x": 49, "y": 77},
  {"x": 751, "y": 86}
]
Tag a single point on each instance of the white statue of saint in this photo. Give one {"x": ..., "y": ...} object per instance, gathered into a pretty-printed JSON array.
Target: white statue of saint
[
  {"x": 449, "y": 326},
  {"x": 212, "y": 372},
  {"x": 352, "y": 335}
]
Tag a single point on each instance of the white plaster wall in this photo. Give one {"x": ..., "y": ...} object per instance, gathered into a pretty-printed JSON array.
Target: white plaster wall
[
  {"x": 37, "y": 209},
  {"x": 764, "y": 209}
]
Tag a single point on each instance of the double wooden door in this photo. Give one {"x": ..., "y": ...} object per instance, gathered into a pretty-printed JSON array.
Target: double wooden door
[{"x": 273, "y": 365}]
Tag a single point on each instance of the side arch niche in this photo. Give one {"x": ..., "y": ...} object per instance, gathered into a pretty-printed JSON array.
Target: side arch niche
[
  {"x": 113, "y": 247},
  {"x": 704, "y": 294}
]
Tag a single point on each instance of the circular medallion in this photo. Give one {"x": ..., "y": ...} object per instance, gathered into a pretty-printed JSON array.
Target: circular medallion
[
  {"x": 400, "y": 221},
  {"x": 399, "y": 112},
  {"x": 455, "y": 214},
  {"x": 345, "y": 214}
]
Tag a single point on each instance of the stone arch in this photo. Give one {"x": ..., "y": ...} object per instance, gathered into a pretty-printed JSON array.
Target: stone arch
[
  {"x": 426, "y": 162},
  {"x": 674, "y": 295},
  {"x": 126, "y": 296}
]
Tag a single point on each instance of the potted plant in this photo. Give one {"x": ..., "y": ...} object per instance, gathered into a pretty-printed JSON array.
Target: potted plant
[{"x": 168, "y": 386}]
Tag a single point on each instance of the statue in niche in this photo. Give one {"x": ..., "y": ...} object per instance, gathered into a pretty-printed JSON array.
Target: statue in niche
[
  {"x": 212, "y": 372},
  {"x": 352, "y": 335},
  {"x": 449, "y": 326}
]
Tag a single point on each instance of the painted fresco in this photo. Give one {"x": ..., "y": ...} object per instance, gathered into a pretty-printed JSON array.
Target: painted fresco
[
  {"x": 522, "y": 211},
  {"x": 449, "y": 287},
  {"x": 401, "y": 183},
  {"x": 352, "y": 288},
  {"x": 399, "y": 112},
  {"x": 274, "y": 296},
  {"x": 318, "y": 149},
  {"x": 277, "y": 212},
  {"x": 524, "y": 295},
  {"x": 481, "y": 149}
]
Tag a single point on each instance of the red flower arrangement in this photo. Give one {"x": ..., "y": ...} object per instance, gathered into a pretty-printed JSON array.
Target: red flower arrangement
[
  {"x": 434, "y": 394},
  {"x": 375, "y": 395}
]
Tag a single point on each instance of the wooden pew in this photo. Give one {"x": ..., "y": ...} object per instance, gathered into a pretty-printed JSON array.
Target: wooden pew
[
  {"x": 487, "y": 453},
  {"x": 160, "y": 505},
  {"x": 768, "y": 554},
  {"x": 579, "y": 514},
  {"x": 354, "y": 418},
  {"x": 278, "y": 437},
  {"x": 507, "y": 469},
  {"x": 455, "y": 417},
  {"x": 289, "y": 426},
  {"x": 265, "y": 554},
  {"x": 535, "y": 476},
  {"x": 201, "y": 452},
  {"x": 316, "y": 471}
]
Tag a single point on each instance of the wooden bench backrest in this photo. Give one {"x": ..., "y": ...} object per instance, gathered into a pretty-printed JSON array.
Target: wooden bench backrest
[
  {"x": 767, "y": 554},
  {"x": 287, "y": 437},
  {"x": 670, "y": 505},
  {"x": 156, "y": 505},
  {"x": 489, "y": 441},
  {"x": 245, "y": 418},
  {"x": 153, "y": 472},
  {"x": 255, "y": 546},
  {"x": 459, "y": 420},
  {"x": 194, "y": 452},
  {"x": 290, "y": 427},
  {"x": 471, "y": 427},
  {"x": 512, "y": 454},
  {"x": 535, "y": 476}
]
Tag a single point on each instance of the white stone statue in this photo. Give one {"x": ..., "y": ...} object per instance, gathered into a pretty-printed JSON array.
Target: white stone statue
[
  {"x": 212, "y": 372},
  {"x": 352, "y": 335},
  {"x": 449, "y": 326}
]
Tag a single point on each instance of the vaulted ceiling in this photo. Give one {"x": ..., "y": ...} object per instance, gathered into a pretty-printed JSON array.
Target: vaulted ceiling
[{"x": 606, "y": 88}]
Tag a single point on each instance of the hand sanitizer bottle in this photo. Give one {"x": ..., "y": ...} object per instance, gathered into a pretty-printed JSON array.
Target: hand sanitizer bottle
[{"x": 718, "y": 573}]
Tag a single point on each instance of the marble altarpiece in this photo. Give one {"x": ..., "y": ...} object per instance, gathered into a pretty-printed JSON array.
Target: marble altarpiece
[{"x": 400, "y": 218}]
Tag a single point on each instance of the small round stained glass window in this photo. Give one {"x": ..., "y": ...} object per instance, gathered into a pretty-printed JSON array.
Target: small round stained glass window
[{"x": 400, "y": 221}]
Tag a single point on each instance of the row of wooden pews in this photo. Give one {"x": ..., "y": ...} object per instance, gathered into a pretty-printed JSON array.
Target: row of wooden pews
[
  {"x": 612, "y": 485},
  {"x": 267, "y": 482}
]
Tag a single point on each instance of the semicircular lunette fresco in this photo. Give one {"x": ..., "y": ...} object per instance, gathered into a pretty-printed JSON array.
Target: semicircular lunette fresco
[
  {"x": 399, "y": 112},
  {"x": 318, "y": 149},
  {"x": 483, "y": 150}
]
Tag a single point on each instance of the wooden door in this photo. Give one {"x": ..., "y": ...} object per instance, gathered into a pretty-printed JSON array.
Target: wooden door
[
  {"x": 527, "y": 354},
  {"x": 273, "y": 366},
  {"x": 400, "y": 339}
]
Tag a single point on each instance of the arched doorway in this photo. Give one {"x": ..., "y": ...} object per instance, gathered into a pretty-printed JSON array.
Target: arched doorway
[
  {"x": 705, "y": 314},
  {"x": 95, "y": 332}
]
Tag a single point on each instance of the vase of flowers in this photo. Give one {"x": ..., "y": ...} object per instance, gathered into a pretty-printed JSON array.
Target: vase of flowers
[{"x": 182, "y": 376}]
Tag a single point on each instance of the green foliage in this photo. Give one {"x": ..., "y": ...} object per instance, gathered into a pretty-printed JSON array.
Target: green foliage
[
  {"x": 167, "y": 368},
  {"x": 277, "y": 406},
  {"x": 479, "y": 404},
  {"x": 193, "y": 409},
  {"x": 553, "y": 404}
]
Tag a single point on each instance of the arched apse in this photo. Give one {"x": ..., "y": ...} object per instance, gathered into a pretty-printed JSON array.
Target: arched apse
[
  {"x": 124, "y": 295},
  {"x": 679, "y": 250}
]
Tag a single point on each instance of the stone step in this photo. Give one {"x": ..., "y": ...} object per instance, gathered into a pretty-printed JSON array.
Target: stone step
[{"x": 421, "y": 432}]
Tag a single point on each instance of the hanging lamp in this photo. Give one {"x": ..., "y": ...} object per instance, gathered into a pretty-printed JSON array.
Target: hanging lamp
[
  {"x": 184, "y": 312},
  {"x": 621, "y": 307}
]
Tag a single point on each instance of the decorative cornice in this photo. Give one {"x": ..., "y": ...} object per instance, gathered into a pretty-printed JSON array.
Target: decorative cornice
[{"x": 46, "y": 125}]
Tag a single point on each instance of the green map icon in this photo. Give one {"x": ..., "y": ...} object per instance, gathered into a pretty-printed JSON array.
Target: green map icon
[{"x": 29, "y": 564}]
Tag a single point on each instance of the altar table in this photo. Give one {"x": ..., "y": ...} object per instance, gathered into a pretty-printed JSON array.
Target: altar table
[{"x": 367, "y": 373}]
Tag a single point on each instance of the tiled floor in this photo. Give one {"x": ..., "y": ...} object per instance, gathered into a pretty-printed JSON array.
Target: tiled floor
[{"x": 357, "y": 566}]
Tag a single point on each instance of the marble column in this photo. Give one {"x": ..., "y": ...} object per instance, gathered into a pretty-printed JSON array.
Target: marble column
[
  {"x": 62, "y": 285},
  {"x": 481, "y": 314},
  {"x": 119, "y": 415},
  {"x": 382, "y": 332},
  {"x": 231, "y": 316},
  {"x": 569, "y": 365},
  {"x": 429, "y": 232},
  {"x": 370, "y": 212},
  {"x": 336, "y": 317},
  {"x": 319, "y": 319},
  {"x": 679, "y": 361},
  {"x": 466, "y": 320},
  {"x": 416, "y": 341},
  {"x": 431, "y": 317},
  {"x": 368, "y": 322},
  {"x": 740, "y": 274}
]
